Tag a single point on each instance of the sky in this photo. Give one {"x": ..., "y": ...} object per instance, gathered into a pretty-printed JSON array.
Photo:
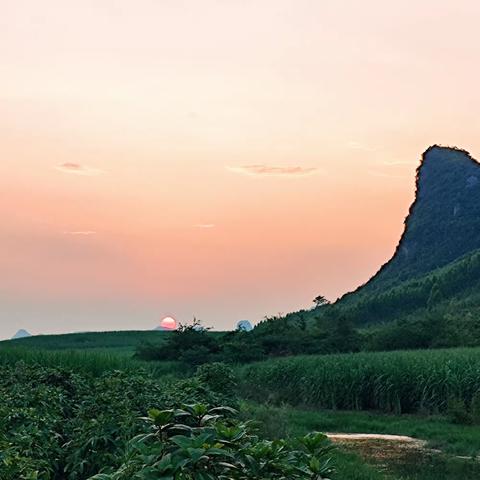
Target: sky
[{"x": 228, "y": 159}]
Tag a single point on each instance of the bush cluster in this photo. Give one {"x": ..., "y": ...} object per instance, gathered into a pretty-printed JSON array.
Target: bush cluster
[
  {"x": 273, "y": 337},
  {"x": 198, "y": 443},
  {"x": 57, "y": 424}
]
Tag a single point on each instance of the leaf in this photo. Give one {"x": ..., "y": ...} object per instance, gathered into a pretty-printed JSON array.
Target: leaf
[{"x": 224, "y": 410}]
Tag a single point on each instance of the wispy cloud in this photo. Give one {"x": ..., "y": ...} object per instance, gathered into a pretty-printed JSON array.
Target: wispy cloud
[
  {"x": 205, "y": 225},
  {"x": 399, "y": 163},
  {"x": 80, "y": 232},
  {"x": 78, "y": 169},
  {"x": 361, "y": 146},
  {"x": 376, "y": 173},
  {"x": 274, "y": 171}
]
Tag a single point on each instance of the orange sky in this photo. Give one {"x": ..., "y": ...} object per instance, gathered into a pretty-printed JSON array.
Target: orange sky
[{"x": 224, "y": 159}]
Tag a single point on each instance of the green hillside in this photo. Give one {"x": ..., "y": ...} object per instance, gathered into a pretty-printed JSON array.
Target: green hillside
[
  {"x": 436, "y": 266},
  {"x": 426, "y": 296},
  {"x": 120, "y": 341},
  {"x": 437, "y": 309},
  {"x": 449, "y": 289},
  {"x": 443, "y": 223}
]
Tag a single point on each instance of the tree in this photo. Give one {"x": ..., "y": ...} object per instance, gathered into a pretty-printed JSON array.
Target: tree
[
  {"x": 344, "y": 337},
  {"x": 435, "y": 297},
  {"x": 190, "y": 343},
  {"x": 320, "y": 301}
]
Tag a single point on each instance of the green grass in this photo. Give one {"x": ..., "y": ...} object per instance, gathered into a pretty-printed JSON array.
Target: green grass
[
  {"x": 349, "y": 466},
  {"x": 437, "y": 430},
  {"x": 453, "y": 440},
  {"x": 398, "y": 382},
  {"x": 120, "y": 341},
  {"x": 434, "y": 467},
  {"x": 394, "y": 381},
  {"x": 87, "y": 361}
]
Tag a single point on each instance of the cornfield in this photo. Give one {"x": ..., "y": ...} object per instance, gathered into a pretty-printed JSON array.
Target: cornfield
[
  {"x": 93, "y": 363},
  {"x": 398, "y": 382}
]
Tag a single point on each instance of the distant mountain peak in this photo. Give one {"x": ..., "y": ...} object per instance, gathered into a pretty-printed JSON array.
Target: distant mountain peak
[
  {"x": 21, "y": 334},
  {"x": 444, "y": 161},
  {"x": 443, "y": 222}
]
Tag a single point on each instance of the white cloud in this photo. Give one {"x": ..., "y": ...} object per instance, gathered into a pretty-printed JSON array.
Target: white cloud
[
  {"x": 272, "y": 170},
  {"x": 398, "y": 163},
  {"x": 80, "y": 232},
  {"x": 78, "y": 169},
  {"x": 205, "y": 225},
  {"x": 376, "y": 173},
  {"x": 361, "y": 146}
]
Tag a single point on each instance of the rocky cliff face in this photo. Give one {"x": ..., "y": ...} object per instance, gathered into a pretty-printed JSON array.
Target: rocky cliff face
[{"x": 444, "y": 221}]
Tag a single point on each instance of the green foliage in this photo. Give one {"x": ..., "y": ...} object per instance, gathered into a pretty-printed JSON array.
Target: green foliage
[
  {"x": 440, "y": 309},
  {"x": 272, "y": 337},
  {"x": 475, "y": 408},
  {"x": 432, "y": 466},
  {"x": 271, "y": 422},
  {"x": 57, "y": 424},
  {"x": 438, "y": 430},
  {"x": 191, "y": 344},
  {"x": 200, "y": 443},
  {"x": 91, "y": 363},
  {"x": 219, "y": 378},
  {"x": 400, "y": 382},
  {"x": 456, "y": 282},
  {"x": 54, "y": 420},
  {"x": 452, "y": 439},
  {"x": 463, "y": 411},
  {"x": 457, "y": 411},
  {"x": 107, "y": 341},
  {"x": 320, "y": 301}
]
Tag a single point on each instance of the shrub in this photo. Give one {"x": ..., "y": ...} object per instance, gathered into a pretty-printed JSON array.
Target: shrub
[
  {"x": 458, "y": 413},
  {"x": 475, "y": 408},
  {"x": 56, "y": 424},
  {"x": 198, "y": 443},
  {"x": 219, "y": 378}
]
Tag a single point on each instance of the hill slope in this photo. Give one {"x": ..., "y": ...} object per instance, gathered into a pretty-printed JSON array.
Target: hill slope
[
  {"x": 437, "y": 260},
  {"x": 454, "y": 288},
  {"x": 444, "y": 221},
  {"x": 121, "y": 340}
]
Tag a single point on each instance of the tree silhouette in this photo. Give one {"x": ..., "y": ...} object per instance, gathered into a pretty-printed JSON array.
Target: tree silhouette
[{"x": 320, "y": 301}]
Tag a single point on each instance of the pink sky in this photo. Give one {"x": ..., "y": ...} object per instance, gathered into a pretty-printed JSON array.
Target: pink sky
[{"x": 224, "y": 159}]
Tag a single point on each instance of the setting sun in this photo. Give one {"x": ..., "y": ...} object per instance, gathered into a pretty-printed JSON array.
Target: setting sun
[{"x": 168, "y": 323}]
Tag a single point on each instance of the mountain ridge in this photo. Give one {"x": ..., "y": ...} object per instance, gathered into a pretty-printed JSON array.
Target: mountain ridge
[{"x": 429, "y": 164}]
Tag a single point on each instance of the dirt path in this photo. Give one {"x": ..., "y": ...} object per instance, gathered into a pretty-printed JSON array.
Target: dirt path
[
  {"x": 379, "y": 447},
  {"x": 382, "y": 446},
  {"x": 352, "y": 437}
]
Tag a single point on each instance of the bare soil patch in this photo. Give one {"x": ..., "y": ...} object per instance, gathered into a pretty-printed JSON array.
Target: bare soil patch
[{"x": 379, "y": 447}]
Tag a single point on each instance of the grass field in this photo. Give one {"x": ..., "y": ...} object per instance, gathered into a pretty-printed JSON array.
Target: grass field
[
  {"x": 304, "y": 387},
  {"x": 397, "y": 382},
  {"x": 120, "y": 341},
  {"x": 90, "y": 361},
  {"x": 439, "y": 431},
  {"x": 448, "y": 440}
]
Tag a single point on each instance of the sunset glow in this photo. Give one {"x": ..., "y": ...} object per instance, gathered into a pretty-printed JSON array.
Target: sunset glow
[
  {"x": 225, "y": 160},
  {"x": 168, "y": 323}
]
